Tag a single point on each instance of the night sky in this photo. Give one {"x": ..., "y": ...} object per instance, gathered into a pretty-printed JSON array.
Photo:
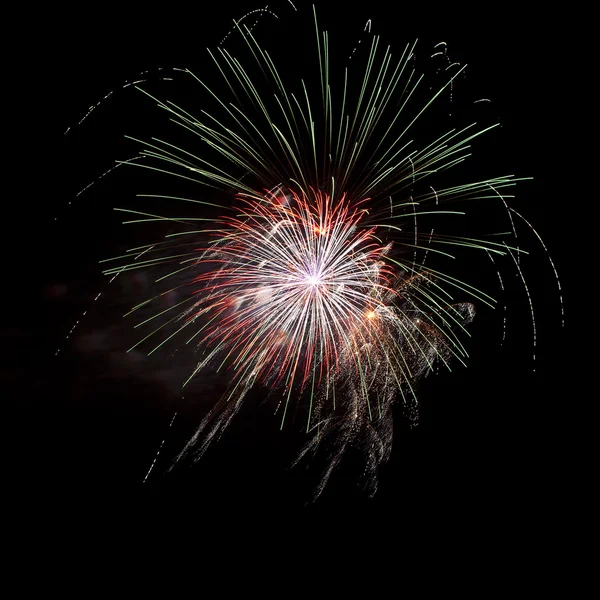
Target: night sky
[{"x": 488, "y": 434}]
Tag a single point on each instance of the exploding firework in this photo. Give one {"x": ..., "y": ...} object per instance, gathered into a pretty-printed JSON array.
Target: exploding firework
[{"x": 324, "y": 275}]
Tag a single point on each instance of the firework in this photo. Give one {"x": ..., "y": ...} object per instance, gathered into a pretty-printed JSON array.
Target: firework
[{"x": 324, "y": 278}]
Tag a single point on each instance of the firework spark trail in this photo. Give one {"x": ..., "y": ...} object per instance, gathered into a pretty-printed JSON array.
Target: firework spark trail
[
  {"x": 159, "y": 449},
  {"x": 96, "y": 298},
  {"x": 548, "y": 255},
  {"x": 501, "y": 284},
  {"x": 532, "y": 312},
  {"x": 142, "y": 77},
  {"x": 313, "y": 283}
]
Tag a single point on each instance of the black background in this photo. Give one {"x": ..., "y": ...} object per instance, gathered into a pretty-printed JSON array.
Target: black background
[{"x": 493, "y": 438}]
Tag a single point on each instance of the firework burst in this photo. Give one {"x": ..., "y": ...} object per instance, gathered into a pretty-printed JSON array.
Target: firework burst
[{"x": 320, "y": 278}]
